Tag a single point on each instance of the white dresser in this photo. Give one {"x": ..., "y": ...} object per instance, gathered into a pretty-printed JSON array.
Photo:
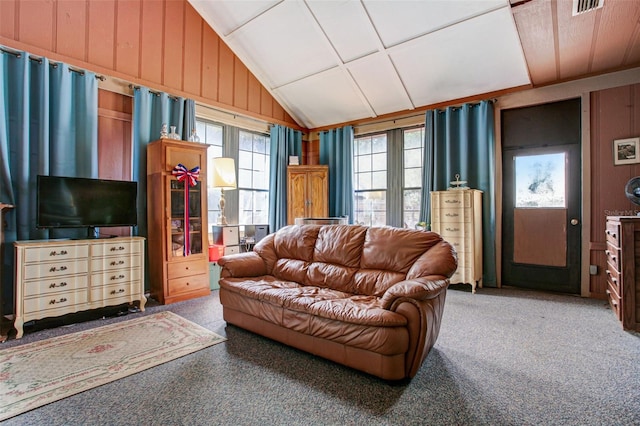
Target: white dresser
[
  {"x": 57, "y": 277},
  {"x": 456, "y": 215}
]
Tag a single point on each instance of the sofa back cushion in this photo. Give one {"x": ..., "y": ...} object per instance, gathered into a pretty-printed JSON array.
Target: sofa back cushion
[{"x": 350, "y": 258}]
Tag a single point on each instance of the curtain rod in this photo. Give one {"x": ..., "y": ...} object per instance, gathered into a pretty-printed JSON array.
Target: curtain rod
[
  {"x": 394, "y": 120},
  {"x": 153, "y": 92},
  {"x": 52, "y": 63}
]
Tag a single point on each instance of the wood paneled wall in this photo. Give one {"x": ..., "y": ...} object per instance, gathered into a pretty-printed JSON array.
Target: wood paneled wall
[
  {"x": 162, "y": 44},
  {"x": 615, "y": 114}
]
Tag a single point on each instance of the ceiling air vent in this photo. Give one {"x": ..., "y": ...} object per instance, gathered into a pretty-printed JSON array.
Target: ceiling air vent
[{"x": 582, "y": 6}]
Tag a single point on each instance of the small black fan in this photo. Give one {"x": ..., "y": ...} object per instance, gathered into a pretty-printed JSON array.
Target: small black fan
[{"x": 632, "y": 190}]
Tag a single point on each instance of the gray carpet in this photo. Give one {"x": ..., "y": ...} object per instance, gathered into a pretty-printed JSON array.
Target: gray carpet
[{"x": 504, "y": 357}]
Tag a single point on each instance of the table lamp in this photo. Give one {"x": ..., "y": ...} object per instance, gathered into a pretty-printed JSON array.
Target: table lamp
[{"x": 223, "y": 177}]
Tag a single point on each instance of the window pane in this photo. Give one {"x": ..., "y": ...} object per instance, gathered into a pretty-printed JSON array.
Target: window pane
[
  {"x": 244, "y": 178},
  {"x": 540, "y": 180},
  {"x": 363, "y": 146},
  {"x": 363, "y": 181},
  {"x": 413, "y": 157},
  {"x": 246, "y": 141},
  {"x": 379, "y": 180},
  {"x": 411, "y": 212},
  {"x": 379, "y": 161},
  {"x": 370, "y": 208},
  {"x": 413, "y": 138},
  {"x": 413, "y": 178},
  {"x": 363, "y": 164},
  {"x": 379, "y": 143},
  {"x": 259, "y": 161}
]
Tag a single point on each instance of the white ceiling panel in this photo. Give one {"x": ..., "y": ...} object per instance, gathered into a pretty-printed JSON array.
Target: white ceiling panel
[
  {"x": 341, "y": 103},
  {"x": 477, "y": 56},
  {"x": 347, "y": 26},
  {"x": 285, "y": 43},
  {"x": 226, "y": 16},
  {"x": 380, "y": 84},
  {"x": 413, "y": 18}
]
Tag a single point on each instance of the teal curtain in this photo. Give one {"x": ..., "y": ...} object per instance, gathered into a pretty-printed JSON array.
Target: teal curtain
[
  {"x": 48, "y": 126},
  {"x": 336, "y": 151},
  {"x": 285, "y": 142},
  {"x": 150, "y": 111},
  {"x": 461, "y": 140}
]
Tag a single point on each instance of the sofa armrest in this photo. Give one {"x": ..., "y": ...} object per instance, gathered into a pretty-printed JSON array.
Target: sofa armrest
[
  {"x": 248, "y": 264},
  {"x": 423, "y": 288}
]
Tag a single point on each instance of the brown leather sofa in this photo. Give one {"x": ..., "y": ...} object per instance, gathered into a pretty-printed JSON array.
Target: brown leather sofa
[{"x": 370, "y": 298}]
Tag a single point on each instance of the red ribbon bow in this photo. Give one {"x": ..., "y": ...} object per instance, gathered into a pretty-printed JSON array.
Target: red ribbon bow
[
  {"x": 184, "y": 174},
  {"x": 190, "y": 177}
]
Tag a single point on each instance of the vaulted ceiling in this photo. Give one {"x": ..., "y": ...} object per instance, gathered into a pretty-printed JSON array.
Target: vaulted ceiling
[{"x": 330, "y": 62}]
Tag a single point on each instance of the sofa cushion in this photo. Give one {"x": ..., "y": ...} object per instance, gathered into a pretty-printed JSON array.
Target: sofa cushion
[{"x": 323, "y": 302}]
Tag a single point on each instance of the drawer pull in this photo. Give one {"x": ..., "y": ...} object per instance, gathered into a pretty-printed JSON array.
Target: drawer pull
[
  {"x": 452, "y": 215},
  {"x": 54, "y": 301},
  {"x": 58, "y": 253},
  {"x": 54, "y": 285},
  {"x": 54, "y": 269},
  {"x": 119, "y": 248},
  {"x": 118, "y": 291},
  {"x": 117, "y": 277},
  {"x": 453, "y": 229},
  {"x": 120, "y": 262},
  {"x": 452, "y": 201}
]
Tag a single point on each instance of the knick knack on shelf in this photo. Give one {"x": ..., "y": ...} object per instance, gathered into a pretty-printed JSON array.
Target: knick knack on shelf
[
  {"x": 173, "y": 134},
  {"x": 194, "y": 136},
  {"x": 163, "y": 131}
]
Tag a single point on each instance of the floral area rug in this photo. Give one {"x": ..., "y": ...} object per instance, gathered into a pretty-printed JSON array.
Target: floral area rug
[{"x": 38, "y": 373}]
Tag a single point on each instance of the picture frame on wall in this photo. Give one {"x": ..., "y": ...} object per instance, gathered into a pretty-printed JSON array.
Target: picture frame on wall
[{"x": 626, "y": 151}]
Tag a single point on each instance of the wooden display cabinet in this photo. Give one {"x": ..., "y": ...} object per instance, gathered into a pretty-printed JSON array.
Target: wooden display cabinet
[
  {"x": 307, "y": 192},
  {"x": 177, "y": 235}
]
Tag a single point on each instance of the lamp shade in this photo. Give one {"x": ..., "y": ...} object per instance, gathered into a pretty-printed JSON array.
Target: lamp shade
[{"x": 224, "y": 173}]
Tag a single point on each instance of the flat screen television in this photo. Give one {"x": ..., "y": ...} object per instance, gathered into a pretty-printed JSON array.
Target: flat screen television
[{"x": 72, "y": 202}]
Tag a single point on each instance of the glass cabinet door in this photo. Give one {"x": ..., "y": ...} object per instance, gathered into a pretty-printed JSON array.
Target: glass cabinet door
[{"x": 185, "y": 223}]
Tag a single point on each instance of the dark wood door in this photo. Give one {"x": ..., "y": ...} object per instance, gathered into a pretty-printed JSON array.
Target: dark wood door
[{"x": 542, "y": 197}]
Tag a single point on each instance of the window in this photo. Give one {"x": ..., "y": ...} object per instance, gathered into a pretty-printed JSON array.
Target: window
[
  {"x": 253, "y": 178},
  {"x": 370, "y": 170},
  {"x": 413, "y": 142},
  {"x": 212, "y": 134},
  {"x": 249, "y": 204},
  {"x": 388, "y": 177}
]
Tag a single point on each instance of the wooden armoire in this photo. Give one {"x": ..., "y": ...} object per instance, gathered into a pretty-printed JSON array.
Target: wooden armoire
[{"x": 307, "y": 192}]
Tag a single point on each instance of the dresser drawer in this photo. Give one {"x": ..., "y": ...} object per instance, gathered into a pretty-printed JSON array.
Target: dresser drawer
[
  {"x": 56, "y": 269},
  {"x": 457, "y": 230},
  {"x": 614, "y": 301},
  {"x": 231, "y": 250},
  {"x": 55, "y": 301},
  {"x": 613, "y": 233},
  {"x": 186, "y": 269},
  {"x": 186, "y": 284},
  {"x": 54, "y": 285},
  {"x": 114, "y": 248},
  {"x": 55, "y": 253},
  {"x": 461, "y": 244},
  {"x": 449, "y": 199},
  {"x": 462, "y": 275},
  {"x": 613, "y": 256},
  {"x": 451, "y": 215},
  {"x": 111, "y": 292},
  {"x": 115, "y": 262},
  {"x": 115, "y": 277},
  {"x": 614, "y": 279}
]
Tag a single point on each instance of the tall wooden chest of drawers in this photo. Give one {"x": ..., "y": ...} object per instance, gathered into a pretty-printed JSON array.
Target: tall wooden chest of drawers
[
  {"x": 58, "y": 277},
  {"x": 457, "y": 216},
  {"x": 623, "y": 269}
]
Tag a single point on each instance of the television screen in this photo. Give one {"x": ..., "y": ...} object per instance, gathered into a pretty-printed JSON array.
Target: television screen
[{"x": 71, "y": 202}]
